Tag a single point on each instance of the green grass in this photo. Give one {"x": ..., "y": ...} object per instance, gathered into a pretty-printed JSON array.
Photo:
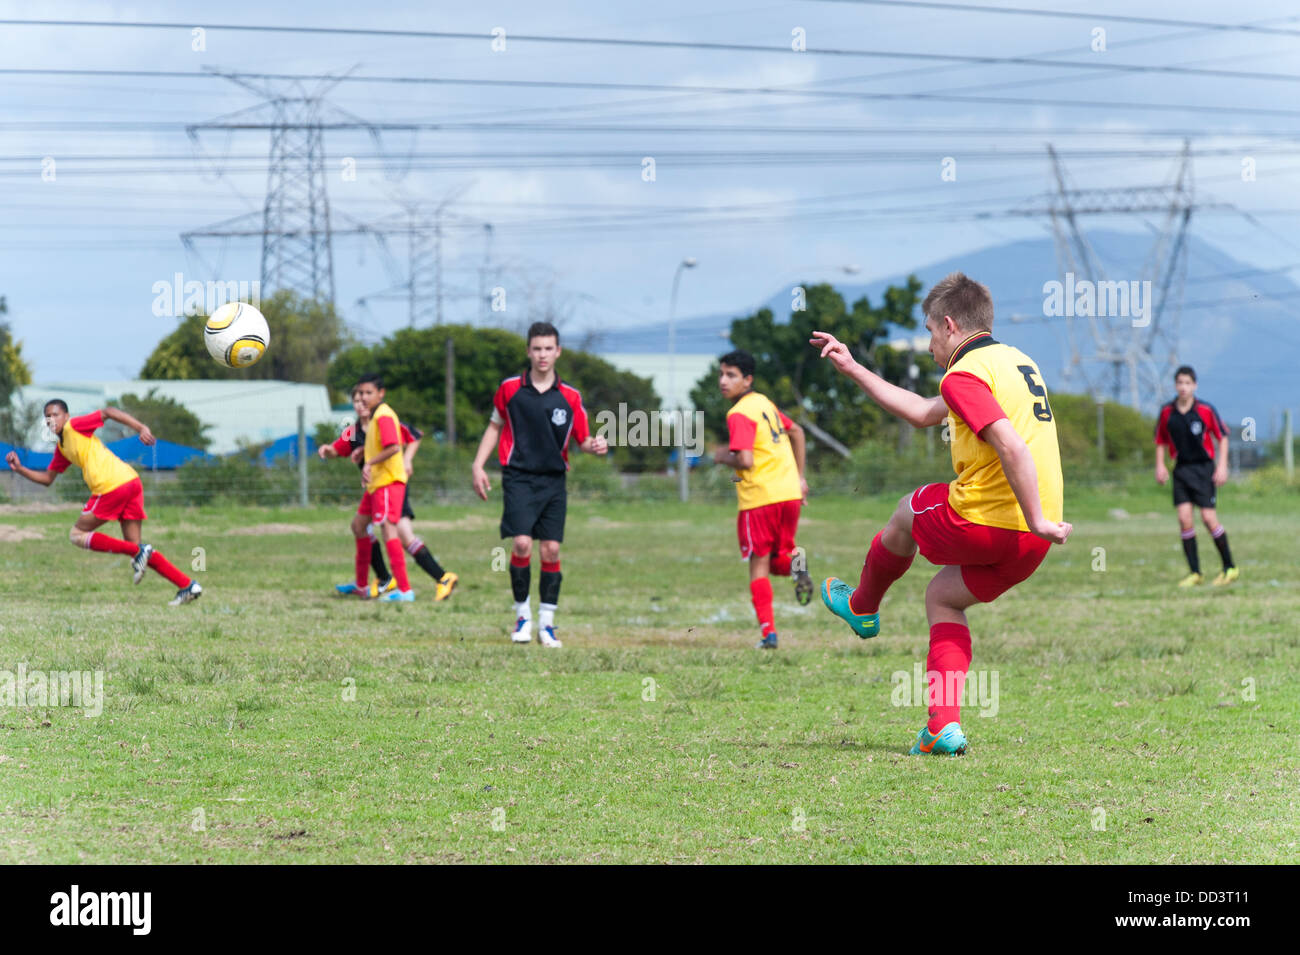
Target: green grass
[{"x": 228, "y": 733}]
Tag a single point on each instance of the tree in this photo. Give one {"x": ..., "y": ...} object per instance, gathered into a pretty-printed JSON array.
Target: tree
[
  {"x": 17, "y": 421},
  {"x": 14, "y": 370},
  {"x": 413, "y": 365},
  {"x": 305, "y": 336},
  {"x": 790, "y": 372},
  {"x": 167, "y": 419},
  {"x": 1128, "y": 434}
]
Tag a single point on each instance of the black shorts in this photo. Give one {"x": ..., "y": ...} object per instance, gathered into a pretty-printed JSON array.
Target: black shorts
[
  {"x": 534, "y": 504},
  {"x": 1194, "y": 484}
]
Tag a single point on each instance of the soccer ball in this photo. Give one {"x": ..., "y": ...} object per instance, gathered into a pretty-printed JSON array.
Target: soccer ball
[{"x": 236, "y": 335}]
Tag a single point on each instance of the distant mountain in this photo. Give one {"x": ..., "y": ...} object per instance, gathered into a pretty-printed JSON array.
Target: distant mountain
[{"x": 1237, "y": 327}]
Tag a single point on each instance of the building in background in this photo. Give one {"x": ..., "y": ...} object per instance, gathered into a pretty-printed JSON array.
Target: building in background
[{"x": 237, "y": 412}]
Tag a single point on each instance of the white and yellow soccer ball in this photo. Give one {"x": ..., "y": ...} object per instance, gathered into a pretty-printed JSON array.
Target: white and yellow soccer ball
[{"x": 237, "y": 335}]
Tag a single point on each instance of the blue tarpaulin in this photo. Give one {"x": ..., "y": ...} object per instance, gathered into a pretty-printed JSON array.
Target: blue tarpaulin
[
  {"x": 36, "y": 460},
  {"x": 286, "y": 445},
  {"x": 163, "y": 456}
]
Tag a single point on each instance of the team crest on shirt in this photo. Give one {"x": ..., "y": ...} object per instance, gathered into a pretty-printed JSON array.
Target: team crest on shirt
[
  {"x": 559, "y": 416},
  {"x": 1196, "y": 427}
]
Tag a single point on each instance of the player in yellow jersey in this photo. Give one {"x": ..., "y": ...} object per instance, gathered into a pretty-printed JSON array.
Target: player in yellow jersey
[
  {"x": 992, "y": 526},
  {"x": 116, "y": 493},
  {"x": 384, "y": 474},
  {"x": 767, "y": 451}
]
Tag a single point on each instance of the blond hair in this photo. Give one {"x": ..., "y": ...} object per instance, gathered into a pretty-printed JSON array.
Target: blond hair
[{"x": 967, "y": 302}]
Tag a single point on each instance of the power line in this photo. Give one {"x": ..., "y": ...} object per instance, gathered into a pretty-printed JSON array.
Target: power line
[
  {"x": 713, "y": 46},
  {"x": 842, "y": 95},
  {"x": 1091, "y": 15},
  {"x": 116, "y": 126}
]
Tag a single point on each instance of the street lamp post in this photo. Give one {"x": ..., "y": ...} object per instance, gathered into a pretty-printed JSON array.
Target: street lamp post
[{"x": 682, "y": 471}]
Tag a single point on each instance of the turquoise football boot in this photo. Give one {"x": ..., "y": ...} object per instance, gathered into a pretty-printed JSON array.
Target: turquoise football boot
[
  {"x": 398, "y": 597},
  {"x": 949, "y": 741},
  {"x": 835, "y": 595}
]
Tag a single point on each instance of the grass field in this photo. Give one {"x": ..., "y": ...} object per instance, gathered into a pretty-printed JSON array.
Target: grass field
[{"x": 1134, "y": 723}]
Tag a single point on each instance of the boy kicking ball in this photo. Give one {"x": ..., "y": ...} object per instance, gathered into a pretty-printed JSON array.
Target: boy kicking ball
[
  {"x": 992, "y": 526},
  {"x": 116, "y": 493}
]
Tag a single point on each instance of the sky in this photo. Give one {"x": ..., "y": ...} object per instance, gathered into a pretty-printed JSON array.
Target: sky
[{"x": 774, "y": 165}]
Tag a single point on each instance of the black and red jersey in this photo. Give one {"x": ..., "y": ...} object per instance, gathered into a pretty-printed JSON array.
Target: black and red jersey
[
  {"x": 1191, "y": 436},
  {"x": 353, "y": 436},
  {"x": 536, "y": 425}
]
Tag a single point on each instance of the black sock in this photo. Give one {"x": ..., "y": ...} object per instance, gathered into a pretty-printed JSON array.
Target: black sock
[
  {"x": 1221, "y": 542},
  {"x": 428, "y": 563},
  {"x": 520, "y": 579},
  {"x": 550, "y": 586},
  {"x": 377, "y": 559},
  {"x": 1189, "y": 548}
]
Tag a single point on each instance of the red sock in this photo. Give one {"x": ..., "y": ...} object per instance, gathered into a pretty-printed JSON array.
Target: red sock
[
  {"x": 167, "y": 569},
  {"x": 781, "y": 565},
  {"x": 881, "y": 569},
  {"x": 550, "y": 568},
  {"x": 397, "y": 558},
  {"x": 760, "y": 591},
  {"x": 947, "y": 664},
  {"x": 363, "y": 561},
  {"x": 111, "y": 545}
]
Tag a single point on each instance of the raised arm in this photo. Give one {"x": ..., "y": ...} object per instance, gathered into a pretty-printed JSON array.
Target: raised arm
[
  {"x": 120, "y": 416},
  {"x": 918, "y": 411}
]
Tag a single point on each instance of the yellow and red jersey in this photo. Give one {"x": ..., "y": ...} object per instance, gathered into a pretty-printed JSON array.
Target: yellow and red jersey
[
  {"x": 986, "y": 381},
  {"x": 385, "y": 431},
  {"x": 102, "y": 470},
  {"x": 755, "y": 424}
]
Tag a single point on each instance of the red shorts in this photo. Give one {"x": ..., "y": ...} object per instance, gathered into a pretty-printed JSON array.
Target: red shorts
[
  {"x": 992, "y": 559},
  {"x": 768, "y": 529},
  {"x": 384, "y": 503},
  {"x": 124, "y": 503}
]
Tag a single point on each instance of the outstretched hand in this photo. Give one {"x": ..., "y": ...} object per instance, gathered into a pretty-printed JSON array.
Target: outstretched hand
[{"x": 833, "y": 349}]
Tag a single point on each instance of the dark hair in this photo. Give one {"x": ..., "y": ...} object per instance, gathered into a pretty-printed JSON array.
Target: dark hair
[
  {"x": 1185, "y": 370},
  {"x": 740, "y": 359},
  {"x": 371, "y": 378},
  {"x": 543, "y": 330},
  {"x": 63, "y": 405}
]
